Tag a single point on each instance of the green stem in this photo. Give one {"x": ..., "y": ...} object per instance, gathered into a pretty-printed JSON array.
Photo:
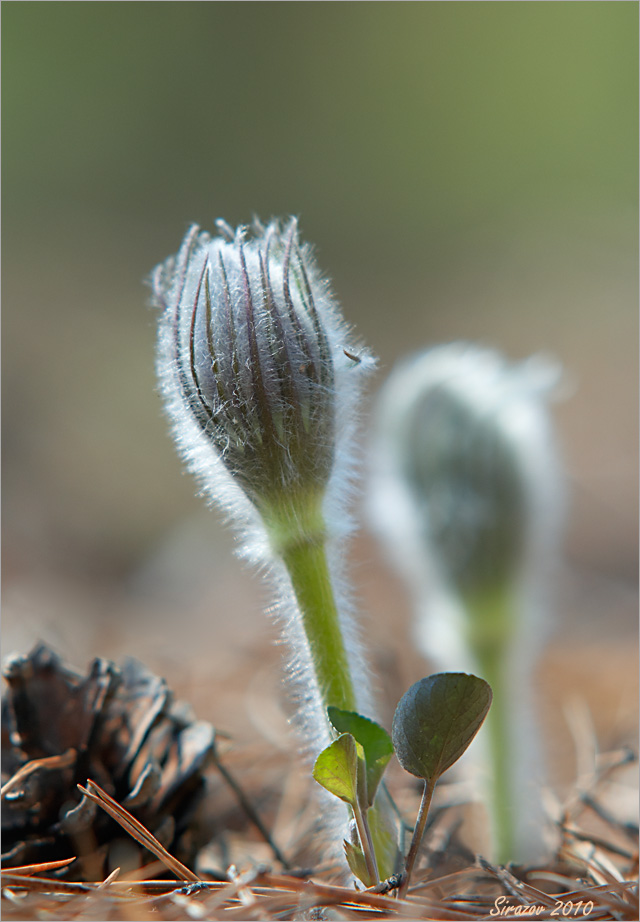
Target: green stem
[
  {"x": 418, "y": 833},
  {"x": 501, "y": 782},
  {"x": 368, "y": 851},
  {"x": 298, "y": 536},
  {"x": 496, "y": 613},
  {"x": 306, "y": 563}
]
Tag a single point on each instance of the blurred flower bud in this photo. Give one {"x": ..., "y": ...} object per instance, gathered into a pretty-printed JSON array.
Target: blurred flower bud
[
  {"x": 468, "y": 493},
  {"x": 253, "y": 346},
  {"x": 467, "y": 439}
]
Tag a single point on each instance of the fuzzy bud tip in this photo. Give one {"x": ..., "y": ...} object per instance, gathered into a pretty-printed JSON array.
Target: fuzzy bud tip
[{"x": 253, "y": 346}]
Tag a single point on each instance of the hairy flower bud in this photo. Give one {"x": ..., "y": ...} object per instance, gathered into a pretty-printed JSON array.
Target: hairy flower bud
[
  {"x": 468, "y": 493},
  {"x": 262, "y": 381},
  {"x": 468, "y": 437},
  {"x": 253, "y": 345}
]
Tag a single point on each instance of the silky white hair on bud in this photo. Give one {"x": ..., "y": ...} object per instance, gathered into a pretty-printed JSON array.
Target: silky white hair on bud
[
  {"x": 467, "y": 493},
  {"x": 262, "y": 380}
]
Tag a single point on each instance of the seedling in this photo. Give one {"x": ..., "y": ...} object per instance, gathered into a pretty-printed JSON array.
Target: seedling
[
  {"x": 338, "y": 770},
  {"x": 433, "y": 725},
  {"x": 351, "y": 768}
]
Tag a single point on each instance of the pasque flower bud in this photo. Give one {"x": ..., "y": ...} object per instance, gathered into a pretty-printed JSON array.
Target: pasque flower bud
[
  {"x": 252, "y": 345},
  {"x": 468, "y": 492},
  {"x": 262, "y": 380},
  {"x": 469, "y": 440},
  {"x": 467, "y": 466}
]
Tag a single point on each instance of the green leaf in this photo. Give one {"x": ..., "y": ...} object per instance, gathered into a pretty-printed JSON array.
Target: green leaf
[
  {"x": 374, "y": 740},
  {"x": 336, "y": 768},
  {"x": 357, "y": 863},
  {"x": 436, "y": 720}
]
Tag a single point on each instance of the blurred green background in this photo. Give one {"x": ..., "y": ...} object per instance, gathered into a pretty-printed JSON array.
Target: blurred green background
[{"x": 465, "y": 170}]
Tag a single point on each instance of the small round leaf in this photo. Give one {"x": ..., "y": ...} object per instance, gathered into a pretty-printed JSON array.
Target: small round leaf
[{"x": 437, "y": 719}]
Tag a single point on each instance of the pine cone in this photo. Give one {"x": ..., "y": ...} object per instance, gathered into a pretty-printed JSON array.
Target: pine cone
[{"x": 118, "y": 727}]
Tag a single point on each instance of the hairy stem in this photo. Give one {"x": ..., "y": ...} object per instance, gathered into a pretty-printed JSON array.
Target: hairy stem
[
  {"x": 298, "y": 537},
  {"x": 306, "y": 563}
]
